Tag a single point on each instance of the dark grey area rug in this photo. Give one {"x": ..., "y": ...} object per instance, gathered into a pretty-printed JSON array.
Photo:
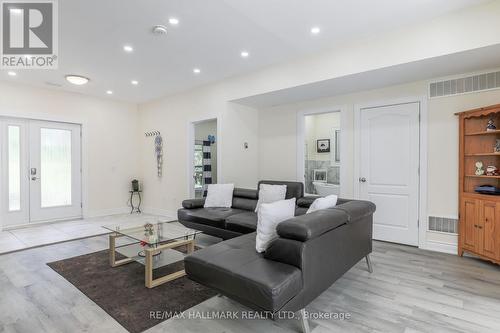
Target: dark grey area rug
[{"x": 121, "y": 292}]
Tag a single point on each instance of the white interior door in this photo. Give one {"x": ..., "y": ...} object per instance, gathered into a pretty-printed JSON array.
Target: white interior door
[
  {"x": 389, "y": 166},
  {"x": 54, "y": 171}
]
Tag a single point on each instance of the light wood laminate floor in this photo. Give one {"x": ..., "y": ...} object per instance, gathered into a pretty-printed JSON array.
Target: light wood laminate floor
[{"x": 411, "y": 290}]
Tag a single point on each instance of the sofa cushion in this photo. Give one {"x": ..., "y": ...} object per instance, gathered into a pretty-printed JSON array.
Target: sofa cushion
[
  {"x": 210, "y": 216},
  {"x": 244, "y": 203},
  {"x": 243, "y": 223},
  {"x": 245, "y": 193},
  {"x": 293, "y": 189},
  {"x": 236, "y": 270},
  {"x": 219, "y": 195}
]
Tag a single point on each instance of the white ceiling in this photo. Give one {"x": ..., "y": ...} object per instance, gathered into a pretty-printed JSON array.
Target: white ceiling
[{"x": 210, "y": 36}]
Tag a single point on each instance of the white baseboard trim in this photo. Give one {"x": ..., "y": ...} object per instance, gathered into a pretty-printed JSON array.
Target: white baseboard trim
[
  {"x": 107, "y": 212},
  {"x": 441, "y": 247},
  {"x": 159, "y": 211}
]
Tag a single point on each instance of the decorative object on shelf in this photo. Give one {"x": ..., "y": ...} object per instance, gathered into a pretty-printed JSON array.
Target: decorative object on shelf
[
  {"x": 487, "y": 189},
  {"x": 491, "y": 170},
  {"x": 135, "y": 185},
  {"x": 211, "y": 138},
  {"x": 497, "y": 146},
  {"x": 323, "y": 145},
  {"x": 148, "y": 228},
  {"x": 135, "y": 190},
  {"x": 320, "y": 175},
  {"x": 479, "y": 168},
  {"x": 491, "y": 125},
  {"x": 158, "y": 150}
]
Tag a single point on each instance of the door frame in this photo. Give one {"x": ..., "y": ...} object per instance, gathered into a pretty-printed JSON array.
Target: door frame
[
  {"x": 190, "y": 149},
  {"x": 423, "y": 152},
  {"x": 84, "y": 158},
  {"x": 300, "y": 167}
]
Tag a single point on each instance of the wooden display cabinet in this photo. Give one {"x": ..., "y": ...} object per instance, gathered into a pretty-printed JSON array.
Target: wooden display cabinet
[{"x": 479, "y": 214}]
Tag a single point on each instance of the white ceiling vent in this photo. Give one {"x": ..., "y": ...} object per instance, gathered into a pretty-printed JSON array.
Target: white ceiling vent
[{"x": 465, "y": 85}]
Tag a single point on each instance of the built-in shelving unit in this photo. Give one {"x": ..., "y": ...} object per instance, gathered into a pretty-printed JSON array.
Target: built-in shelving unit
[{"x": 479, "y": 216}]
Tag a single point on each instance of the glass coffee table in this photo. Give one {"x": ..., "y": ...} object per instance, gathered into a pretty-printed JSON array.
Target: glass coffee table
[{"x": 153, "y": 237}]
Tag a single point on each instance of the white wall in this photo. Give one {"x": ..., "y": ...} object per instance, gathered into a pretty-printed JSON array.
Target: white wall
[
  {"x": 172, "y": 116},
  {"x": 456, "y": 32},
  {"x": 278, "y": 130},
  {"x": 110, "y": 133}
]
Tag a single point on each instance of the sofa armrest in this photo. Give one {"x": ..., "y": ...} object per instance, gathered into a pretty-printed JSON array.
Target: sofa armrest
[
  {"x": 308, "y": 226},
  {"x": 306, "y": 201},
  {"x": 357, "y": 209},
  {"x": 193, "y": 203},
  {"x": 287, "y": 251}
]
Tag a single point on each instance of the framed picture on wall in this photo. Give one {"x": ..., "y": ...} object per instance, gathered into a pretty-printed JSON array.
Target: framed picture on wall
[{"x": 323, "y": 146}]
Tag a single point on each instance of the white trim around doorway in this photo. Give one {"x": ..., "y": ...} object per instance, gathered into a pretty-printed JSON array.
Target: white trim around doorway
[
  {"x": 422, "y": 100},
  {"x": 343, "y": 141},
  {"x": 190, "y": 156}
]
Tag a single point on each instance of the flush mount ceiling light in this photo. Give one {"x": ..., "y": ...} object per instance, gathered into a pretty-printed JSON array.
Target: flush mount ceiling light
[
  {"x": 134, "y": 82},
  {"x": 77, "y": 79},
  {"x": 244, "y": 54},
  {"x": 128, "y": 48},
  {"x": 315, "y": 30},
  {"x": 196, "y": 70},
  {"x": 173, "y": 21},
  {"x": 11, "y": 73},
  {"x": 160, "y": 29},
  {"x": 109, "y": 92}
]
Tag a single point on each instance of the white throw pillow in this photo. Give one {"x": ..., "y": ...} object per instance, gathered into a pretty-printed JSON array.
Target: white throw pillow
[
  {"x": 323, "y": 203},
  {"x": 219, "y": 195},
  {"x": 268, "y": 218},
  {"x": 270, "y": 193}
]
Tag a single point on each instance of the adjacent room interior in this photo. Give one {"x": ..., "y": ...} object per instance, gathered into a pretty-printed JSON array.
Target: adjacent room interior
[{"x": 250, "y": 166}]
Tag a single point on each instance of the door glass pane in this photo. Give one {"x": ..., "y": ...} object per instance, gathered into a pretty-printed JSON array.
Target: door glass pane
[
  {"x": 14, "y": 150},
  {"x": 55, "y": 173}
]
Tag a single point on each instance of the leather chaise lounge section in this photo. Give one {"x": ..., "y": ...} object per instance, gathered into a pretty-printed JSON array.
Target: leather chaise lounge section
[{"x": 311, "y": 253}]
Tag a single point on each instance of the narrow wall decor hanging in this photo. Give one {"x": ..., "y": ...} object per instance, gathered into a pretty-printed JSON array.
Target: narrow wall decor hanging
[{"x": 158, "y": 150}]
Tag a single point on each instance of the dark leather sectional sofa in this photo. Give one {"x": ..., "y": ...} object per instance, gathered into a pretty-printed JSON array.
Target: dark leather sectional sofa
[{"x": 312, "y": 251}]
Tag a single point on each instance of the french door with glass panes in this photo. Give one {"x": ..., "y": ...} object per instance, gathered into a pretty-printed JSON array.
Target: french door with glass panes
[{"x": 40, "y": 177}]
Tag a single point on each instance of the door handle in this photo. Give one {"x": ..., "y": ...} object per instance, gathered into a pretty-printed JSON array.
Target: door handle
[
  {"x": 362, "y": 179},
  {"x": 34, "y": 178}
]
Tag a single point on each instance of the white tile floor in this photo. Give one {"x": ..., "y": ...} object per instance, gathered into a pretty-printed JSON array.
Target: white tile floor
[{"x": 38, "y": 235}]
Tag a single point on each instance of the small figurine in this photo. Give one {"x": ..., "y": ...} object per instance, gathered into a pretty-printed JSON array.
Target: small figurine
[
  {"x": 491, "y": 125},
  {"x": 497, "y": 146},
  {"x": 491, "y": 170},
  {"x": 479, "y": 168}
]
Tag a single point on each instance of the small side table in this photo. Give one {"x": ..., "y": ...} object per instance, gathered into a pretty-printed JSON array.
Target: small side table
[{"x": 135, "y": 209}]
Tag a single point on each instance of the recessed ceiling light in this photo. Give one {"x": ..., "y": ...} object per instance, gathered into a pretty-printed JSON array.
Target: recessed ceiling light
[
  {"x": 244, "y": 54},
  {"x": 315, "y": 30},
  {"x": 11, "y": 73},
  {"x": 77, "y": 79},
  {"x": 196, "y": 70},
  {"x": 109, "y": 92},
  {"x": 128, "y": 48},
  {"x": 173, "y": 21},
  {"x": 134, "y": 82}
]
